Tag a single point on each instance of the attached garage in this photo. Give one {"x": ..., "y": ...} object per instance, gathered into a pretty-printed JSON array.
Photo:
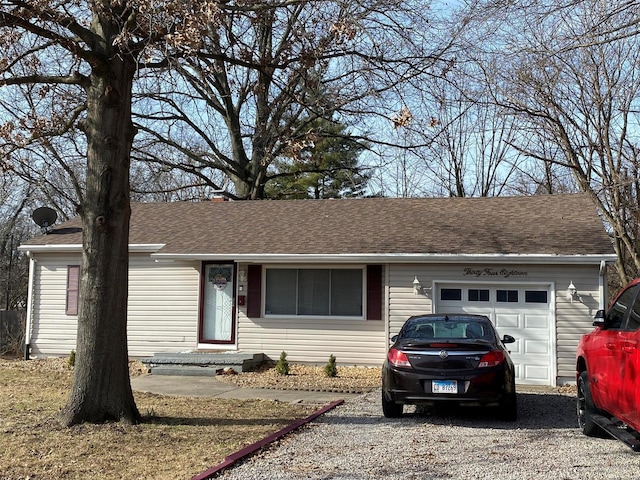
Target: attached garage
[
  {"x": 529, "y": 301},
  {"x": 523, "y": 311}
]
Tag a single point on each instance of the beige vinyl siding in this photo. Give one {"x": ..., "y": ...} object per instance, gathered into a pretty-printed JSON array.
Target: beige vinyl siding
[
  {"x": 403, "y": 303},
  {"x": 53, "y": 332},
  {"x": 308, "y": 340},
  {"x": 572, "y": 320},
  {"x": 313, "y": 339},
  {"x": 162, "y": 308}
]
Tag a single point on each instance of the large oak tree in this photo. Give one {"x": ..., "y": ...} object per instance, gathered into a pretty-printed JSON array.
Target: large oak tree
[{"x": 80, "y": 59}]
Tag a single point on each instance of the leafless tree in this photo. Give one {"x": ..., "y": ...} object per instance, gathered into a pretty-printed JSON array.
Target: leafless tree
[
  {"x": 14, "y": 200},
  {"x": 569, "y": 72},
  {"x": 255, "y": 93},
  {"x": 469, "y": 155}
]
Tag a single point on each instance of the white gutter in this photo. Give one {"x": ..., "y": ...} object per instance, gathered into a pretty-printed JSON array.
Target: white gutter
[
  {"x": 154, "y": 248},
  {"x": 389, "y": 258},
  {"x": 27, "y": 329},
  {"x": 602, "y": 290},
  {"x": 77, "y": 247}
]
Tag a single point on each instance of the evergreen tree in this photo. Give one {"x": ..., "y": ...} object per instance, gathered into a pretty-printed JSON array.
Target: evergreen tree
[{"x": 326, "y": 166}]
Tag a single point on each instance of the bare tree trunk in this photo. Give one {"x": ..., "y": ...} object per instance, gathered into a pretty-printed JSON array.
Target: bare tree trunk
[{"x": 101, "y": 387}]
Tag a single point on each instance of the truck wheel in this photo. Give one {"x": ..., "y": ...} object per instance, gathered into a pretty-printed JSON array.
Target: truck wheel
[
  {"x": 586, "y": 408},
  {"x": 391, "y": 409}
]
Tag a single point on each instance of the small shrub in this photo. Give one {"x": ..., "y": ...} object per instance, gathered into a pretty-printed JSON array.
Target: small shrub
[
  {"x": 72, "y": 359},
  {"x": 330, "y": 369},
  {"x": 282, "y": 367}
]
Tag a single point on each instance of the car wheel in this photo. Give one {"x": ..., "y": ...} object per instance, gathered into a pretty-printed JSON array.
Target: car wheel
[
  {"x": 586, "y": 408},
  {"x": 508, "y": 410},
  {"x": 391, "y": 409}
]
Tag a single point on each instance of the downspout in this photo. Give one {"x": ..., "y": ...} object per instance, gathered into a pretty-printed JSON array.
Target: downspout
[
  {"x": 27, "y": 330},
  {"x": 602, "y": 286}
]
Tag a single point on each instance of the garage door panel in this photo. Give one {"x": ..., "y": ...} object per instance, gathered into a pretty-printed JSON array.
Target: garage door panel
[
  {"x": 529, "y": 323},
  {"x": 517, "y": 370},
  {"x": 515, "y": 348},
  {"x": 537, "y": 321},
  {"x": 506, "y": 321},
  {"x": 537, "y": 374},
  {"x": 536, "y": 346}
]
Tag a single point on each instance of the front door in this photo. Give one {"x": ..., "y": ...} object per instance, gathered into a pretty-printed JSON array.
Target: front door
[{"x": 217, "y": 324}]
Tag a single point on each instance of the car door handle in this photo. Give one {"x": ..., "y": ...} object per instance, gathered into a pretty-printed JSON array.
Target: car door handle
[
  {"x": 629, "y": 348},
  {"x": 611, "y": 346}
]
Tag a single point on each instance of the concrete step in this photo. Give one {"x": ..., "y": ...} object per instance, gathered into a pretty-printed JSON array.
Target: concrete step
[
  {"x": 201, "y": 364},
  {"x": 184, "y": 371}
]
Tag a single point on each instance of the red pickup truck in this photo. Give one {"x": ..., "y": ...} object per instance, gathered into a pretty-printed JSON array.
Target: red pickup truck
[{"x": 608, "y": 371}]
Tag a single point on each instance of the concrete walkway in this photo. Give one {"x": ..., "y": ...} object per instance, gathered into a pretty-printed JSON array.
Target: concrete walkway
[{"x": 193, "y": 386}]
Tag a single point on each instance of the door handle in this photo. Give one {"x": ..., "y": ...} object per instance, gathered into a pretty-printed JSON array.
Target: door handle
[
  {"x": 629, "y": 348},
  {"x": 611, "y": 346}
]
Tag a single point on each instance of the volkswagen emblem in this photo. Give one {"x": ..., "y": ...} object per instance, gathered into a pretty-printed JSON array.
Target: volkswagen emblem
[{"x": 443, "y": 354}]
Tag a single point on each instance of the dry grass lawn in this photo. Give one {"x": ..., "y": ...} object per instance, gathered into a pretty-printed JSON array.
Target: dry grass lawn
[{"x": 179, "y": 437}]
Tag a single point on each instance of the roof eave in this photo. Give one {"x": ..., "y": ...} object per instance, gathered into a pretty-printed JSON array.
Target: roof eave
[
  {"x": 154, "y": 249},
  {"x": 390, "y": 258},
  {"x": 77, "y": 247}
]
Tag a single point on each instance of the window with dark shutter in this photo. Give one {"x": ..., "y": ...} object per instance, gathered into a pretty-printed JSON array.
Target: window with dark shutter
[
  {"x": 326, "y": 292},
  {"x": 73, "y": 288},
  {"x": 254, "y": 291},
  {"x": 374, "y": 292}
]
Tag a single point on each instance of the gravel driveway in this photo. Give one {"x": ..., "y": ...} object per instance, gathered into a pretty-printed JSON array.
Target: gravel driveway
[{"x": 354, "y": 441}]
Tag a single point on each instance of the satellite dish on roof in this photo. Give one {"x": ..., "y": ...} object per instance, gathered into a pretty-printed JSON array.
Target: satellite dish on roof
[{"x": 45, "y": 217}]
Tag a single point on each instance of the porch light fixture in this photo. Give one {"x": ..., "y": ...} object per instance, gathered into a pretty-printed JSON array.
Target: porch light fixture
[
  {"x": 417, "y": 288},
  {"x": 572, "y": 293}
]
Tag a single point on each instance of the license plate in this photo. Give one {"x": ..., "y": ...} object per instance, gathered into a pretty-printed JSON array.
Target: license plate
[{"x": 444, "y": 386}]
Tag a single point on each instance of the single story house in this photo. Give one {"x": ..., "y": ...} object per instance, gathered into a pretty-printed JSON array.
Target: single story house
[{"x": 321, "y": 277}]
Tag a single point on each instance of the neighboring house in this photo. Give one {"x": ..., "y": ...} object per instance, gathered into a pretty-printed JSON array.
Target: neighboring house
[{"x": 320, "y": 277}]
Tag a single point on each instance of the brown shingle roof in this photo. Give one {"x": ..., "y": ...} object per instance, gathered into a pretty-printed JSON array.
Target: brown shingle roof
[{"x": 539, "y": 225}]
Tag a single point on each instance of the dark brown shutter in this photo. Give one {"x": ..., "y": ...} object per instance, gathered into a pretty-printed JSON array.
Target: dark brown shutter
[
  {"x": 374, "y": 292},
  {"x": 73, "y": 287},
  {"x": 254, "y": 291}
]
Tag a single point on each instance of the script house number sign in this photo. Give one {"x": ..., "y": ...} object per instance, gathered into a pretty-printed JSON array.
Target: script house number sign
[{"x": 494, "y": 272}]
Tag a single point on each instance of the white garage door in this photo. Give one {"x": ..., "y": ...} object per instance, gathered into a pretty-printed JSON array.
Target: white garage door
[{"x": 520, "y": 311}]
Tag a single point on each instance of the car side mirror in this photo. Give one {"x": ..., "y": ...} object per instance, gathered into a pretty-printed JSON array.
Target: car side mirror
[
  {"x": 394, "y": 338},
  {"x": 508, "y": 339},
  {"x": 600, "y": 320}
]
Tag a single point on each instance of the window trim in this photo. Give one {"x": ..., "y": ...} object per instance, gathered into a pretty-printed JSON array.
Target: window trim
[
  {"x": 508, "y": 295},
  {"x": 439, "y": 284},
  {"x": 362, "y": 268},
  {"x": 479, "y": 292},
  {"x": 530, "y": 293},
  {"x": 459, "y": 290}
]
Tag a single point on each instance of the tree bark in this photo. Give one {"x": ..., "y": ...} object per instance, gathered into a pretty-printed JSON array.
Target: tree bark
[{"x": 101, "y": 388}]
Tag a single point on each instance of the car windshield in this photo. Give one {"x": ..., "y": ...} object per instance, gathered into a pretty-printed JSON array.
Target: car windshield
[{"x": 445, "y": 330}]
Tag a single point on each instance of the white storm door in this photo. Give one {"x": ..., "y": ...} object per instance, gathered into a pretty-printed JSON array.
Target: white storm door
[{"x": 217, "y": 325}]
